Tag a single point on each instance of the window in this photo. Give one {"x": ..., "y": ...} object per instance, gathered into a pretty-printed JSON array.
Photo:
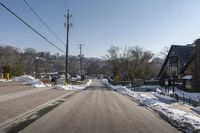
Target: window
[
  {"x": 173, "y": 70},
  {"x": 188, "y": 84}
]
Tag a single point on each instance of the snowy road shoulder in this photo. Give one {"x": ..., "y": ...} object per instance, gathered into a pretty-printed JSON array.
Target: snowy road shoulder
[{"x": 184, "y": 121}]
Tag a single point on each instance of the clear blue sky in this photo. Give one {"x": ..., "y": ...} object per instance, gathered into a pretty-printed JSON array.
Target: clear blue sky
[{"x": 150, "y": 24}]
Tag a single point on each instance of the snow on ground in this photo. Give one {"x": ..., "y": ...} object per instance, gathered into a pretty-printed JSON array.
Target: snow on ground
[
  {"x": 185, "y": 121},
  {"x": 74, "y": 87},
  {"x": 29, "y": 80},
  {"x": 165, "y": 97},
  {"x": 197, "y": 109},
  {"x": 193, "y": 96},
  {"x": 24, "y": 78},
  {"x": 147, "y": 88}
]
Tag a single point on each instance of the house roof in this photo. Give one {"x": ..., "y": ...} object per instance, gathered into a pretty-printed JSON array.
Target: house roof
[
  {"x": 184, "y": 53},
  {"x": 187, "y": 64}
]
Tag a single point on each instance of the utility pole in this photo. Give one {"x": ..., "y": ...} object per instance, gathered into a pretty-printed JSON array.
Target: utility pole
[
  {"x": 81, "y": 61},
  {"x": 36, "y": 66},
  {"x": 67, "y": 25}
]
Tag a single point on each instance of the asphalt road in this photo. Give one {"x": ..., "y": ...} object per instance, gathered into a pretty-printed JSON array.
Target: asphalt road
[{"x": 98, "y": 110}]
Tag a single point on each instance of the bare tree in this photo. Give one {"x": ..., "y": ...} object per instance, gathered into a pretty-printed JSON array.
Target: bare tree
[{"x": 164, "y": 51}]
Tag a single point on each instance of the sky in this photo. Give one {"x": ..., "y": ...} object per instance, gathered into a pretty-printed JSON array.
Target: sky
[{"x": 100, "y": 24}]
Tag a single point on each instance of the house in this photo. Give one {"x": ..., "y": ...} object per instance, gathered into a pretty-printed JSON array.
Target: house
[{"x": 182, "y": 65}]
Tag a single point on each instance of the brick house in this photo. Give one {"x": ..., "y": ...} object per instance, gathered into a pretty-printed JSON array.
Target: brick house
[{"x": 182, "y": 65}]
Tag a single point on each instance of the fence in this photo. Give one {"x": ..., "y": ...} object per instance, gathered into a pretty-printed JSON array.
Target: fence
[
  {"x": 135, "y": 83},
  {"x": 189, "y": 100}
]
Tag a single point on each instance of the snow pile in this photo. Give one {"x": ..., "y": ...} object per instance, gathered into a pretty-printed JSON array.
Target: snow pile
[
  {"x": 29, "y": 80},
  {"x": 165, "y": 97},
  {"x": 74, "y": 87},
  {"x": 180, "y": 119},
  {"x": 185, "y": 121},
  {"x": 89, "y": 82},
  {"x": 197, "y": 109},
  {"x": 38, "y": 84},
  {"x": 105, "y": 81},
  {"x": 146, "y": 88},
  {"x": 70, "y": 87},
  {"x": 24, "y": 78}
]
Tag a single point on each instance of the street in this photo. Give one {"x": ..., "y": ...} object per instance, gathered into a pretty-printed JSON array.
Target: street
[{"x": 98, "y": 110}]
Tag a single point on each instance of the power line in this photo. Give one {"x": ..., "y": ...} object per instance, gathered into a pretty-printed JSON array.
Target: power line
[
  {"x": 43, "y": 22},
  {"x": 31, "y": 27}
]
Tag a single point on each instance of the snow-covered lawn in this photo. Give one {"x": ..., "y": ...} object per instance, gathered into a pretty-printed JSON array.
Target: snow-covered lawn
[
  {"x": 74, "y": 87},
  {"x": 193, "y": 96},
  {"x": 185, "y": 121}
]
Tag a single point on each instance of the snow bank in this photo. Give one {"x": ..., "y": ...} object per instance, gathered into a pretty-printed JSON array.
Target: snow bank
[
  {"x": 168, "y": 98},
  {"x": 197, "y": 109},
  {"x": 89, "y": 82},
  {"x": 74, "y": 87},
  {"x": 24, "y": 78},
  {"x": 146, "y": 88},
  {"x": 185, "y": 121},
  {"x": 180, "y": 119},
  {"x": 70, "y": 87},
  {"x": 29, "y": 80},
  {"x": 105, "y": 81}
]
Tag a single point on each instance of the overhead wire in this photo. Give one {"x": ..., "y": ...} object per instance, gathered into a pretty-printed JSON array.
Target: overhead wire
[
  {"x": 43, "y": 22},
  {"x": 28, "y": 25}
]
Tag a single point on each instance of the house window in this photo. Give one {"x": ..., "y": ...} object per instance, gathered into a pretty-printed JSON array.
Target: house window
[
  {"x": 188, "y": 84},
  {"x": 173, "y": 71}
]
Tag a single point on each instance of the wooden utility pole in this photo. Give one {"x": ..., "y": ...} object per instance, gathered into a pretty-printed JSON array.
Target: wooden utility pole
[
  {"x": 81, "y": 60},
  {"x": 68, "y": 25}
]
